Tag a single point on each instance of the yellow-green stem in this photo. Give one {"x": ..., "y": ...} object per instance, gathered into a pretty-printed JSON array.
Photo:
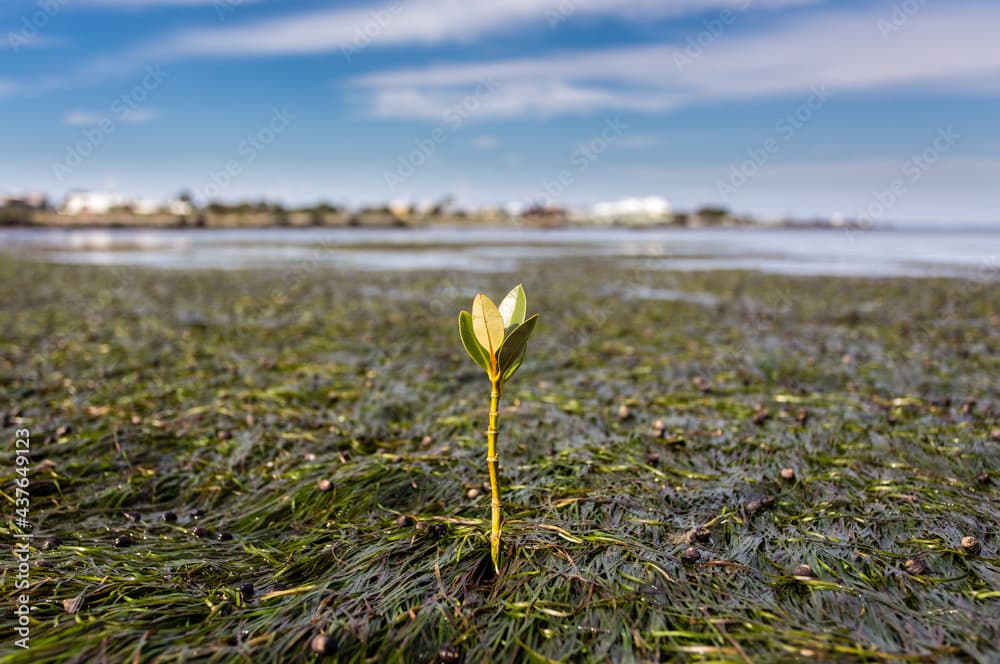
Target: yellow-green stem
[{"x": 491, "y": 460}]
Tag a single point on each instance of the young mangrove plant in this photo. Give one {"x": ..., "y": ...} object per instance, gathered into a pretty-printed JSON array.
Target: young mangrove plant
[{"x": 496, "y": 338}]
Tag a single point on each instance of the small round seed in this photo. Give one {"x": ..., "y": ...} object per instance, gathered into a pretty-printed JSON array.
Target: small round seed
[
  {"x": 915, "y": 566},
  {"x": 700, "y": 534},
  {"x": 123, "y": 541},
  {"x": 170, "y": 517},
  {"x": 472, "y": 494},
  {"x": 788, "y": 474},
  {"x": 804, "y": 570},
  {"x": 324, "y": 485},
  {"x": 223, "y": 536},
  {"x": 405, "y": 521},
  {"x": 691, "y": 555},
  {"x": 323, "y": 644},
  {"x": 200, "y": 531},
  {"x": 971, "y": 545}
]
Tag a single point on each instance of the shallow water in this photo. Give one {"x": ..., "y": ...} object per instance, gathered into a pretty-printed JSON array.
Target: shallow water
[{"x": 968, "y": 254}]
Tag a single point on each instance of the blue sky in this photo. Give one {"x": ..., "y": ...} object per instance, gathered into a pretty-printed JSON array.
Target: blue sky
[{"x": 884, "y": 110}]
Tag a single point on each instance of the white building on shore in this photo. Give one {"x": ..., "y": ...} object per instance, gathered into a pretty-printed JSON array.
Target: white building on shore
[
  {"x": 649, "y": 209},
  {"x": 92, "y": 202}
]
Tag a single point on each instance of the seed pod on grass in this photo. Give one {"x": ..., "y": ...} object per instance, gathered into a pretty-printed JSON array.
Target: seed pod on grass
[
  {"x": 74, "y": 605},
  {"x": 700, "y": 534},
  {"x": 323, "y": 644},
  {"x": 691, "y": 555},
  {"x": 972, "y": 545},
  {"x": 804, "y": 570}
]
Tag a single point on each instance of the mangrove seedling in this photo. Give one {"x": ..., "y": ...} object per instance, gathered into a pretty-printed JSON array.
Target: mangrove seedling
[{"x": 496, "y": 338}]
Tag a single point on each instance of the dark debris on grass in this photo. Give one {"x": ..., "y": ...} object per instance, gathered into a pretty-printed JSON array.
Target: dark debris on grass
[{"x": 358, "y": 381}]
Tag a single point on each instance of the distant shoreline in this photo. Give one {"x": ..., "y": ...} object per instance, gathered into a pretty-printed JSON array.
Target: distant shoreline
[
  {"x": 91, "y": 224},
  {"x": 267, "y": 216}
]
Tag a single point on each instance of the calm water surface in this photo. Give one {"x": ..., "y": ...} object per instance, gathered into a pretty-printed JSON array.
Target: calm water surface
[{"x": 966, "y": 254}]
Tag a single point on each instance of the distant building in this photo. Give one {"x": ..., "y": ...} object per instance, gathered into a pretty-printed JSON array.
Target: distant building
[
  {"x": 650, "y": 209},
  {"x": 545, "y": 215},
  {"x": 28, "y": 201},
  {"x": 92, "y": 202}
]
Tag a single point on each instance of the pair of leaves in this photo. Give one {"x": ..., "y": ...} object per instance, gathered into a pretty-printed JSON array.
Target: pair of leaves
[{"x": 496, "y": 338}]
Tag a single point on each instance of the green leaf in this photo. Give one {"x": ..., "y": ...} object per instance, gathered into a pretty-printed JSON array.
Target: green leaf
[
  {"x": 512, "y": 369},
  {"x": 512, "y": 351},
  {"x": 472, "y": 346},
  {"x": 487, "y": 325},
  {"x": 513, "y": 307}
]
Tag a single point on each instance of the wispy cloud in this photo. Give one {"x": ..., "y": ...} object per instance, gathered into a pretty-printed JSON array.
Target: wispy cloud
[
  {"x": 940, "y": 47},
  {"x": 144, "y": 4},
  {"x": 6, "y": 87},
  {"x": 485, "y": 142},
  {"x": 138, "y": 116},
  {"x": 81, "y": 118},
  {"x": 427, "y": 22},
  {"x": 641, "y": 141}
]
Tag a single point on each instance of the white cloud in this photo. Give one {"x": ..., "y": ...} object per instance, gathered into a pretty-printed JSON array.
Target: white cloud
[
  {"x": 399, "y": 22},
  {"x": 80, "y": 118},
  {"x": 138, "y": 116},
  {"x": 641, "y": 141},
  {"x": 485, "y": 142},
  {"x": 386, "y": 23},
  {"x": 936, "y": 48},
  {"x": 142, "y": 4}
]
